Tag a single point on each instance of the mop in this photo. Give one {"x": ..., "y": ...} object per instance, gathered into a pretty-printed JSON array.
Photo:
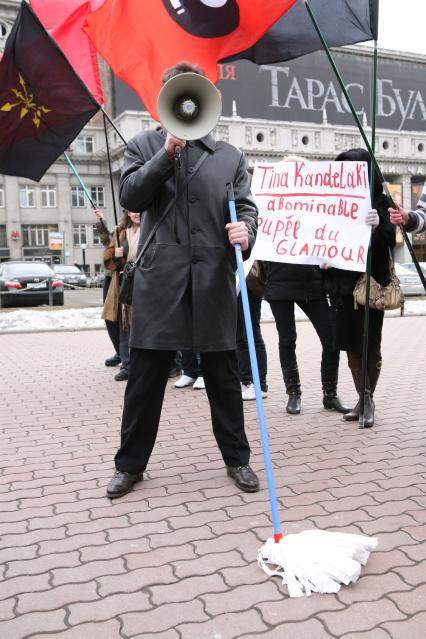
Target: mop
[{"x": 313, "y": 560}]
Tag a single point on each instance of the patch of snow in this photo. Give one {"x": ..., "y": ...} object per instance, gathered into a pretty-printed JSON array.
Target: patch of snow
[
  {"x": 76, "y": 319},
  {"x": 43, "y": 320}
]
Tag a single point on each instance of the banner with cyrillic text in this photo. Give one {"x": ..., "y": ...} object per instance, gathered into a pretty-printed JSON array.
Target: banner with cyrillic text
[{"x": 312, "y": 213}]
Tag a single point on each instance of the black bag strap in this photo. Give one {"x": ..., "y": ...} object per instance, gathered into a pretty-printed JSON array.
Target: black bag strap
[{"x": 169, "y": 207}]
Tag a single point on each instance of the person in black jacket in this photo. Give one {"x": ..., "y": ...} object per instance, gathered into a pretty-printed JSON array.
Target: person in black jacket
[
  {"x": 349, "y": 321},
  {"x": 287, "y": 285},
  {"x": 184, "y": 290}
]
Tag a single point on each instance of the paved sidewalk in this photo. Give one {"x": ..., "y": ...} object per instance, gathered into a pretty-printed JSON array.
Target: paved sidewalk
[{"x": 175, "y": 559}]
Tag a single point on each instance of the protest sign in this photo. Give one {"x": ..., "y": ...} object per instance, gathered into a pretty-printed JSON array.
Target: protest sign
[{"x": 312, "y": 213}]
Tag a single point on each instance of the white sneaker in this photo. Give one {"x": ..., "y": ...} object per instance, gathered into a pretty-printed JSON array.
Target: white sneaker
[
  {"x": 184, "y": 381},
  {"x": 248, "y": 393},
  {"x": 199, "y": 384}
]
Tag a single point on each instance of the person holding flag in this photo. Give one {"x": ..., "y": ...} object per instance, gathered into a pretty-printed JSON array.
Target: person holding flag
[
  {"x": 349, "y": 321},
  {"x": 413, "y": 221}
]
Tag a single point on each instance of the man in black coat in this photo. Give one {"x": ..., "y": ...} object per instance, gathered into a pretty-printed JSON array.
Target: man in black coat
[{"x": 184, "y": 295}]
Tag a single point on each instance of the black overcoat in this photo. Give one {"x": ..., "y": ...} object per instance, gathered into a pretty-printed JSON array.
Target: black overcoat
[{"x": 184, "y": 295}]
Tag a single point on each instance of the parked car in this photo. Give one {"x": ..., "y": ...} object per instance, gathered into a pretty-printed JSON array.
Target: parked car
[
  {"x": 27, "y": 284},
  {"x": 70, "y": 274},
  {"x": 411, "y": 267},
  {"x": 410, "y": 282}
]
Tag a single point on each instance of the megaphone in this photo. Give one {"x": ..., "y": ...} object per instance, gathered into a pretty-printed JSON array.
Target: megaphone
[{"x": 189, "y": 106}]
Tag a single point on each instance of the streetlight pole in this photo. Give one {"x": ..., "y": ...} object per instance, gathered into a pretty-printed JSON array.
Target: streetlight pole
[{"x": 83, "y": 250}]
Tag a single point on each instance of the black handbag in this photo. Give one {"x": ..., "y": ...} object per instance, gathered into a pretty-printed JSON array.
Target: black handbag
[
  {"x": 126, "y": 286},
  {"x": 128, "y": 273}
]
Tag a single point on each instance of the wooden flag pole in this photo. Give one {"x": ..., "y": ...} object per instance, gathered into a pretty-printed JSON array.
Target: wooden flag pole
[{"x": 374, "y": 162}]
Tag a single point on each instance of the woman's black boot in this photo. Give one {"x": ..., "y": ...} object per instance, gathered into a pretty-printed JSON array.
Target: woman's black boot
[
  {"x": 331, "y": 400},
  {"x": 369, "y": 407},
  {"x": 329, "y": 375},
  {"x": 294, "y": 404},
  {"x": 292, "y": 384},
  {"x": 374, "y": 365},
  {"x": 353, "y": 414}
]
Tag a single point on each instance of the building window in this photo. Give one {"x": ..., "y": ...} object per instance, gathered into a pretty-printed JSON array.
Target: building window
[
  {"x": 96, "y": 238},
  {"x": 80, "y": 235},
  {"x": 48, "y": 197},
  {"x": 4, "y": 29},
  {"x": 85, "y": 144},
  {"x": 77, "y": 197},
  {"x": 98, "y": 268},
  {"x": 97, "y": 193},
  {"x": 37, "y": 234},
  {"x": 27, "y": 197},
  {"x": 3, "y": 239},
  {"x": 1, "y": 198}
]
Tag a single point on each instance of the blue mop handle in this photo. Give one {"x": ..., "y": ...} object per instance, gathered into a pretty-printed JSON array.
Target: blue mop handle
[{"x": 255, "y": 373}]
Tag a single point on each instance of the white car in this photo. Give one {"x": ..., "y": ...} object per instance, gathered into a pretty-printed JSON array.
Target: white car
[
  {"x": 410, "y": 282},
  {"x": 411, "y": 267}
]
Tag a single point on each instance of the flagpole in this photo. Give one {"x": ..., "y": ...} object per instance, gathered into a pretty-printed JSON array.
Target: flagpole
[
  {"x": 83, "y": 186},
  {"x": 111, "y": 178},
  {"x": 364, "y": 137},
  {"x": 113, "y": 125},
  {"x": 368, "y": 269}
]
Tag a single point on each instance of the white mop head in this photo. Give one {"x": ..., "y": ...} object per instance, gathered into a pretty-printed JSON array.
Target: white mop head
[{"x": 316, "y": 560}]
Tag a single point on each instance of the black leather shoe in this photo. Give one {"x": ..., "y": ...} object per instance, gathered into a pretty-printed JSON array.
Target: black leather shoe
[
  {"x": 115, "y": 360},
  {"x": 353, "y": 414},
  {"x": 122, "y": 483},
  {"x": 121, "y": 376},
  {"x": 244, "y": 478},
  {"x": 332, "y": 402},
  {"x": 294, "y": 404}
]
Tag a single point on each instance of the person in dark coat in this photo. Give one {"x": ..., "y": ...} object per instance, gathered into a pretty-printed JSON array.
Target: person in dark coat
[
  {"x": 348, "y": 320},
  {"x": 184, "y": 294},
  {"x": 287, "y": 285}
]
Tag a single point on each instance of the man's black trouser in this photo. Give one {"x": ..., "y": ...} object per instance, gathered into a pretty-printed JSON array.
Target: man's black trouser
[
  {"x": 143, "y": 402},
  {"x": 244, "y": 365}
]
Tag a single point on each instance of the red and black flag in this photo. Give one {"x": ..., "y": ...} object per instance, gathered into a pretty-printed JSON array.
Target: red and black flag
[
  {"x": 342, "y": 22},
  {"x": 141, "y": 39},
  {"x": 43, "y": 103},
  {"x": 64, "y": 22}
]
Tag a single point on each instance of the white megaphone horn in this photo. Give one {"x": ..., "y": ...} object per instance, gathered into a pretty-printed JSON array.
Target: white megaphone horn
[{"x": 189, "y": 106}]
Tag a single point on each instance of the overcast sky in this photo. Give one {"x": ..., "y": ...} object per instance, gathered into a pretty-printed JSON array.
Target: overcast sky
[{"x": 402, "y": 25}]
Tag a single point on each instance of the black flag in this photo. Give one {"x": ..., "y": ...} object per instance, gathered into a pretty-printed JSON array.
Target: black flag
[
  {"x": 341, "y": 21},
  {"x": 43, "y": 103}
]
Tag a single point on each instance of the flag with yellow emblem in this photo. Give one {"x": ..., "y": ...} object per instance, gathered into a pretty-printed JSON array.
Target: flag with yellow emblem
[{"x": 43, "y": 103}]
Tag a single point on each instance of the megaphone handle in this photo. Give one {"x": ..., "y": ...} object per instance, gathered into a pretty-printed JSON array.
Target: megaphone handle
[{"x": 177, "y": 156}]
